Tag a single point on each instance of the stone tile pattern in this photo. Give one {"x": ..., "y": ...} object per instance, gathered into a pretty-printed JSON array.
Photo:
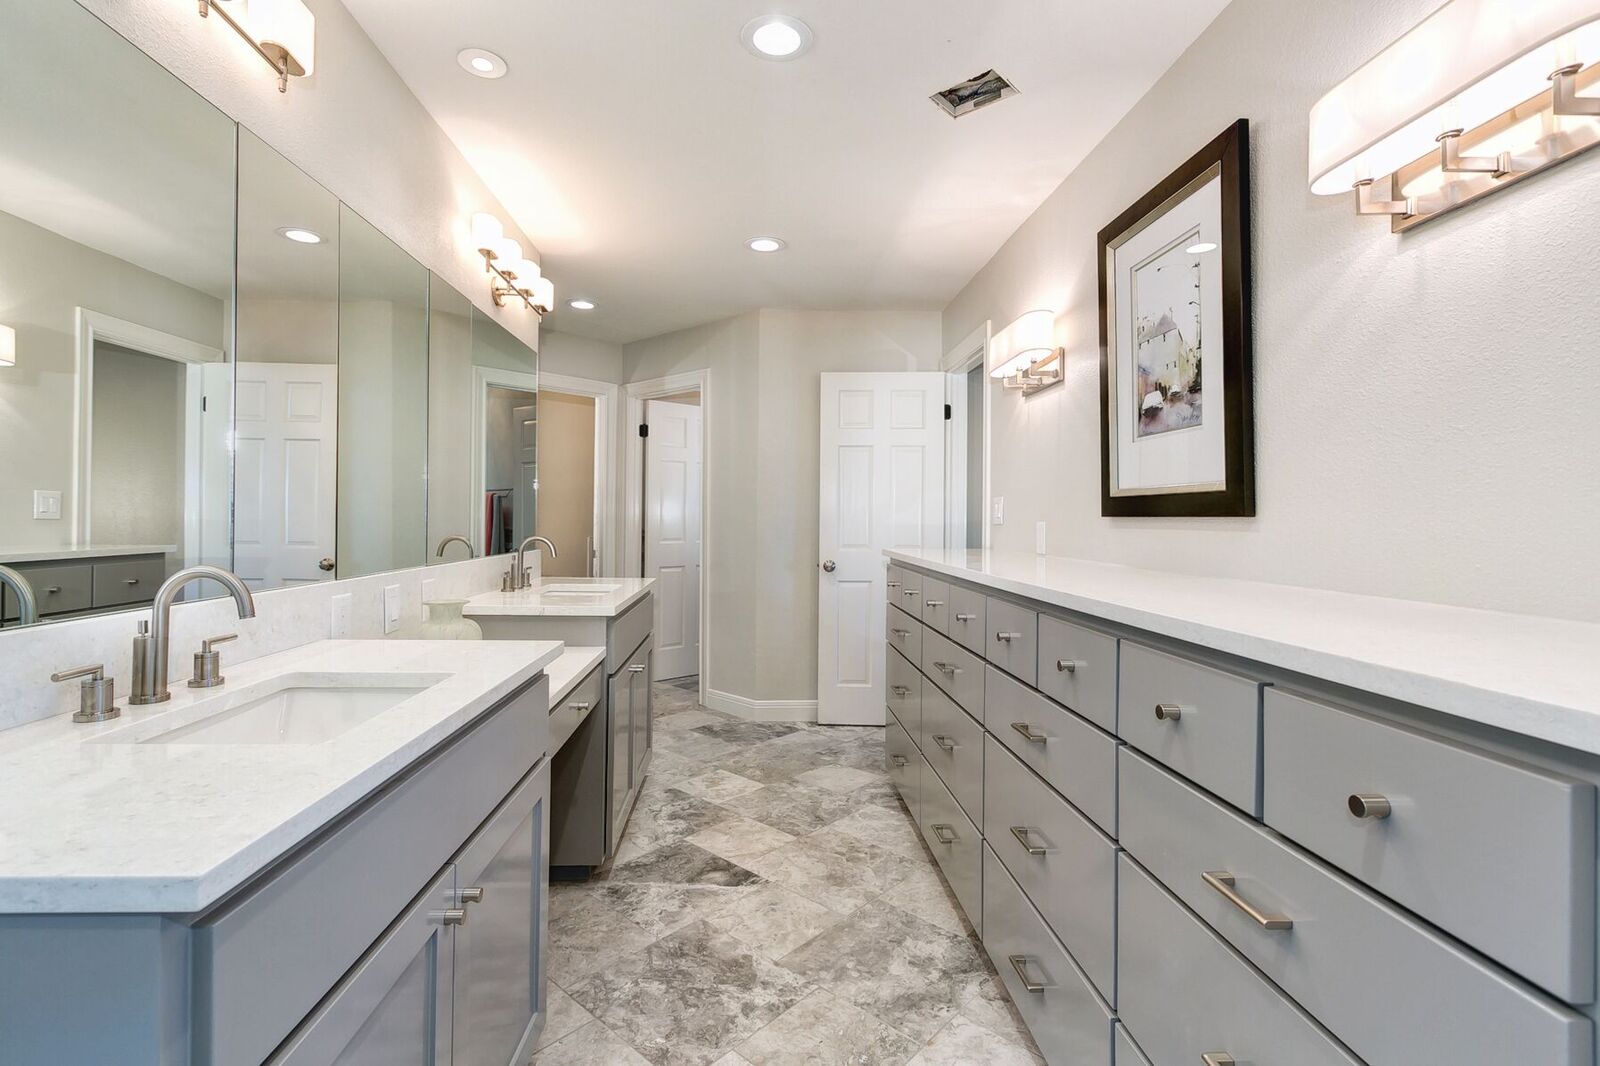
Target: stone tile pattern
[{"x": 771, "y": 904}]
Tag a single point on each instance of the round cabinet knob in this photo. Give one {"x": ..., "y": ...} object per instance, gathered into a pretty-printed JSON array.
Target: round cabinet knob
[
  {"x": 325, "y": 564},
  {"x": 829, "y": 566},
  {"x": 1370, "y": 805},
  {"x": 1168, "y": 712}
]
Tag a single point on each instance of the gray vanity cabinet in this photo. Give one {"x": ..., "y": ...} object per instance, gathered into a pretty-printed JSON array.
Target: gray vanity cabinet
[{"x": 631, "y": 733}]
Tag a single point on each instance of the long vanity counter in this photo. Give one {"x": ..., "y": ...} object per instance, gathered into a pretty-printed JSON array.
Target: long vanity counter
[
  {"x": 1213, "y": 821},
  {"x": 562, "y": 597}
]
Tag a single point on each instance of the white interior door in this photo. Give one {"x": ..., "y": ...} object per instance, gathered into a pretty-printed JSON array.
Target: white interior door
[
  {"x": 672, "y": 533},
  {"x": 286, "y": 443},
  {"x": 882, "y": 486}
]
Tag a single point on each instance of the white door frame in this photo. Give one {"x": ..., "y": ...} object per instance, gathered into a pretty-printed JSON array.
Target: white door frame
[
  {"x": 973, "y": 351},
  {"x": 633, "y": 520},
  {"x": 483, "y": 377},
  {"x": 93, "y": 327},
  {"x": 607, "y": 399}
]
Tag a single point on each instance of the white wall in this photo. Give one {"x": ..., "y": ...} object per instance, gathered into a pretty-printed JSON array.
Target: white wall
[
  {"x": 580, "y": 357},
  {"x": 1422, "y": 423}
]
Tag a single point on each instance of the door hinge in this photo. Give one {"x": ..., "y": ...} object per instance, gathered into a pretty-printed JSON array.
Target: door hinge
[
  {"x": 644, "y": 429},
  {"x": 203, "y": 401},
  {"x": 947, "y": 414}
]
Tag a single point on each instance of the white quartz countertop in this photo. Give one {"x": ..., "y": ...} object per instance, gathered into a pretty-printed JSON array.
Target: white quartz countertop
[
  {"x": 98, "y": 551},
  {"x": 573, "y": 666},
  {"x": 1539, "y": 677},
  {"x": 91, "y": 825},
  {"x": 563, "y": 597}
]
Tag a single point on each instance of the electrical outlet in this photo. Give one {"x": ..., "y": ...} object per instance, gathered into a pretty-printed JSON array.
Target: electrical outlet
[
  {"x": 46, "y": 504},
  {"x": 342, "y": 606},
  {"x": 1038, "y": 537},
  {"x": 428, "y": 585},
  {"x": 391, "y": 608},
  {"x": 999, "y": 511}
]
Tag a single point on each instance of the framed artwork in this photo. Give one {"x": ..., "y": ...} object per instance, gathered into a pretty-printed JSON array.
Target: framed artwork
[{"x": 1176, "y": 419}]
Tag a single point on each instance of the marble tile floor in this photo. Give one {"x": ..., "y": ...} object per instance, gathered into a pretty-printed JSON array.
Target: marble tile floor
[{"x": 771, "y": 904}]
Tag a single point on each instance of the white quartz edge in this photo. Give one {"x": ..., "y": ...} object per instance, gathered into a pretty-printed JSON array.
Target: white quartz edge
[
  {"x": 102, "y": 828},
  {"x": 1534, "y": 676},
  {"x": 102, "y": 551},
  {"x": 567, "y": 672},
  {"x": 530, "y": 603}
]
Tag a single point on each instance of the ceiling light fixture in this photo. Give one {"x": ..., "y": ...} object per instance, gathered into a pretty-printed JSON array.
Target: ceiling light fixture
[
  {"x": 482, "y": 63},
  {"x": 581, "y": 305},
  {"x": 1024, "y": 354},
  {"x": 509, "y": 273},
  {"x": 766, "y": 244},
  {"x": 779, "y": 37},
  {"x": 300, "y": 235},
  {"x": 283, "y": 32},
  {"x": 1201, "y": 248}
]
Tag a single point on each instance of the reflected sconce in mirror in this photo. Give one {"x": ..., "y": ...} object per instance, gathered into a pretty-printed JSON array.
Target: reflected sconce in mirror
[
  {"x": 1476, "y": 97},
  {"x": 1024, "y": 355},
  {"x": 509, "y": 273},
  {"x": 8, "y": 346},
  {"x": 283, "y": 32}
]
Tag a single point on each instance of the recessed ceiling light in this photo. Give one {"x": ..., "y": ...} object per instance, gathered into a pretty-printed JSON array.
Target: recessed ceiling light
[
  {"x": 300, "y": 236},
  {"x": 766, "y": 244},
  {"x": 1201, "y": 248},
  {"x": 581, "y": 305},
  {"x": 776, "y": 36},
  {"x": 481, "y": 63}
]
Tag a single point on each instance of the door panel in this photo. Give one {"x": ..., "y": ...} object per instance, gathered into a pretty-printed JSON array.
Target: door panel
[
  {"x": 619, "y": 753},
  {"x": 672, "y": 533},
  {"x": 882, "y": 467}
]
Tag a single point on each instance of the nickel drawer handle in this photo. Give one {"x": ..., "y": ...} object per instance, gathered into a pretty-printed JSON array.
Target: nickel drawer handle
[
  {"x": 1008, "y": 637},
  {"x": 945, "y": 742},
  {"x": 900, "y": 690},
  {"x": 52, "y": 590},
  {"x": 130, "y": 581},
  {"x": 934, "y": 603},
  {"x": 636, "y": 668},
  {"x": 1370, "y": 805},
  {"x": 579, "y": 707},
  {"x": 471, "y": 895},
  {"x": 1019, "y": 963},
  {"x": 1066, "y": 666},
  {"x": 1168, "y": 712},
  {"x": 898, "y": 760},
  {"x": 1222, "y": 881},
  {"x": 1021, "y": 833},
  {"x": 894, "y": 584},
  {"x": 1218, "y": 1058},
  {"x": 912, "y": 592},
  {"x": 900, "y": 632},
  {"x": 1028, "y": 734},
  {"x": 965, "y": 617},
  {"x": 946, "y": 668},
  {"x": 940, "y": 830},
  {"x": 453, "y": 916}
]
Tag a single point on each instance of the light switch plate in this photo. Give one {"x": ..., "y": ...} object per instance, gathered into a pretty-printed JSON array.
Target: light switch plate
[
  {"x": 1038, "y": 537},
  {"x": 342, "y": 606},
  {"x": 391, "y": 608},
  {"x": 428, "y": 585},
  {"x": 999, "y": 510},
  {"x": 46, "y": 504}
]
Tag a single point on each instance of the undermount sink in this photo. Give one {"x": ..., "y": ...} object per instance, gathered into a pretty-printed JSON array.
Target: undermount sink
[
  {"x": 576, "y": 590},
  {"x": 289, "y": 710}
]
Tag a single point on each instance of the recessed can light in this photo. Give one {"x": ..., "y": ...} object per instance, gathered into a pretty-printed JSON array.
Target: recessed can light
[
  {"x": 766, "y": 244},
  {"x": 481, "y": 63},
  {"x": 581, "y": 305},
  {"x": 300, "y": 236},
  {"x": 1201, "y": 247},
  {"x": 776, "y": 37}
]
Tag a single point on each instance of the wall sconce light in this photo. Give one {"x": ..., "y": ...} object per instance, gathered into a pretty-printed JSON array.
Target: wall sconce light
[
  {"x": 1024, "y": 354},
  {"x": 509, "y": 273},
  {"x": 1476, "y": 97},
  {"x": 283, "y": 32},
  {"x": 8, "y": 346}
]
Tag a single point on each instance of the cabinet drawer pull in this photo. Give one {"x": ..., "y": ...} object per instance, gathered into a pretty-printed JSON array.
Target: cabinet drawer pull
[
  {"x": 1218, "y": 1058},
  {"x": 1021, "y": 833},
  {"x": 471, "y": 895},
  {"x": 1222, "y": 881},
  {"x": 1370, "y": 805},
  {"x": 1008, "y": 637},
  {"x": 898, "y": 760},
  {"x": 454, "y": 916},
  {"x": 965, "y": 617},
  {"x": 900, "y": 632},
  {"x": 946, "y": 668},
  {"x": 1066, "y": 666},
  {"x": 1168, "y": 712},
  {"x": 636, "y": 668},
  {"x": 130, "y": 581},
  {"x": 52, "y": 590},
  {"x": 900, "y": 690},
  {"x": 1028, "y": 734},
  {"x": 912, "y": 592},
  {"x": 894, "y": 584},
  {"x": 934, "y": 603},
  {"x": 945, "y": 742},
  {"x": 579, "y": 707},
  {"x": 1019, "y": 963},
  {"x": 940, "y": 830}
]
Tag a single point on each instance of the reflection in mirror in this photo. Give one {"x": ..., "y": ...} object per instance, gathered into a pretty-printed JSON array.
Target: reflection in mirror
[
  {"x": 383, "y": 402},
  {"x": 451, "y": 508},
  {"x": 505, "y": 436},
  {"x": 116, "y": 269},
  {"x": 286, "y": 436}
]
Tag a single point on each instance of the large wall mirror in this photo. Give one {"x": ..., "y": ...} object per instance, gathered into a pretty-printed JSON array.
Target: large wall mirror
[{"x": 216, "y": 361}]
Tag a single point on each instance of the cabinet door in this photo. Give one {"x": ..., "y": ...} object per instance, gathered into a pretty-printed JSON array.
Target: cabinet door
[
  {"x": 619, "y": 754},
  {"x": 393, "y": 1008},
  {"x": 640, "y": 669},
  {"x": 503, "y": 883}
]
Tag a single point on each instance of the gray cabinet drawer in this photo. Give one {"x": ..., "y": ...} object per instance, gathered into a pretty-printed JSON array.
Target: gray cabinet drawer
[
  {"x": 1202, "y": 722},
  {"x": 895, "y": 582},
  {"x": 955, "y": 842},
  {"x": 1078, "y": 760},
  {"x": 1187, "y": 994},
  {"x": 935, "y": 604},
  {"x": 56, "y": 589},
  {"x": 1070, "y": 875},
  {"x": 905, "y": 693},
  {"x": 1012, "y": 641},
  {"x": 1498, "y": 853},
  {"x": 624, "y": 634},
  {"x": 968, "y": 610},
  {"x": 903, "y": 763},
  {"x": 1365, "y": 969},
  {"x": 1127, "y": 1052},
  {"x": 908, "y": 595},
  {"x": 953, "y": 745},
  {"x": 568, "y": 714},
  {"x": 1078, "y": 668},
  {"x": 904, "y": 634},
  {"x": 1066, "y": 1017},
  {"x": 128, "y": 580},
  {"x": 954, "y": 669}
]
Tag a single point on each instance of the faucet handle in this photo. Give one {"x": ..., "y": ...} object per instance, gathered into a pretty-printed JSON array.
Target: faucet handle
[
  {"x": 208, "y": 662},
  {"x": 211, "y": 642},
  {"x": 97, "y": 694}
]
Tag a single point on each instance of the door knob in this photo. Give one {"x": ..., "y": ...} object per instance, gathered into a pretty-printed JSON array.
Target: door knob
[
  {"x": 325, "y": 564},
  {"x": 829, "y": 566}
]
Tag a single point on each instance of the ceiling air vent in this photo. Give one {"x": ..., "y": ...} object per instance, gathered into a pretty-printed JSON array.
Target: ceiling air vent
[{"x": 965, "y": 97}]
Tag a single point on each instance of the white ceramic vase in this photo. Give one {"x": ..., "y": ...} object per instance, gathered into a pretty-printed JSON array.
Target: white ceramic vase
[{"x": 446, "y": 622}]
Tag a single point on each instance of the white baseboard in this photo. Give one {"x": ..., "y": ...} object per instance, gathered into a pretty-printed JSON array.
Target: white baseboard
[{"x": 762, "y": 710}]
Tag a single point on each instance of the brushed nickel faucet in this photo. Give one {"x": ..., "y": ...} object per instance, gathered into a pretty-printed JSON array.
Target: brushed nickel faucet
[
  {"x": 520, "y": 579},
  {"x": 151, "y": 644},
  {"x": 27, "y": 605},
  {"x": 445, "y": 543}
]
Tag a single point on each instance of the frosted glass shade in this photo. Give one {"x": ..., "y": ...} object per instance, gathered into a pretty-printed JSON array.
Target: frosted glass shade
[
  {"x": 544, "y": 293},
  {"x": 285, "y": 25},
  {"x": 486, "y": 230},
  {"x": 1021, "y": 344},
  {"x": 8, "y": 346},
  {"x": 1458, "y": 68}
]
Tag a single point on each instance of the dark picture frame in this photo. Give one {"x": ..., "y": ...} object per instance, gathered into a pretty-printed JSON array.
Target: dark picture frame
[{"x": 1227, "y": 157}]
